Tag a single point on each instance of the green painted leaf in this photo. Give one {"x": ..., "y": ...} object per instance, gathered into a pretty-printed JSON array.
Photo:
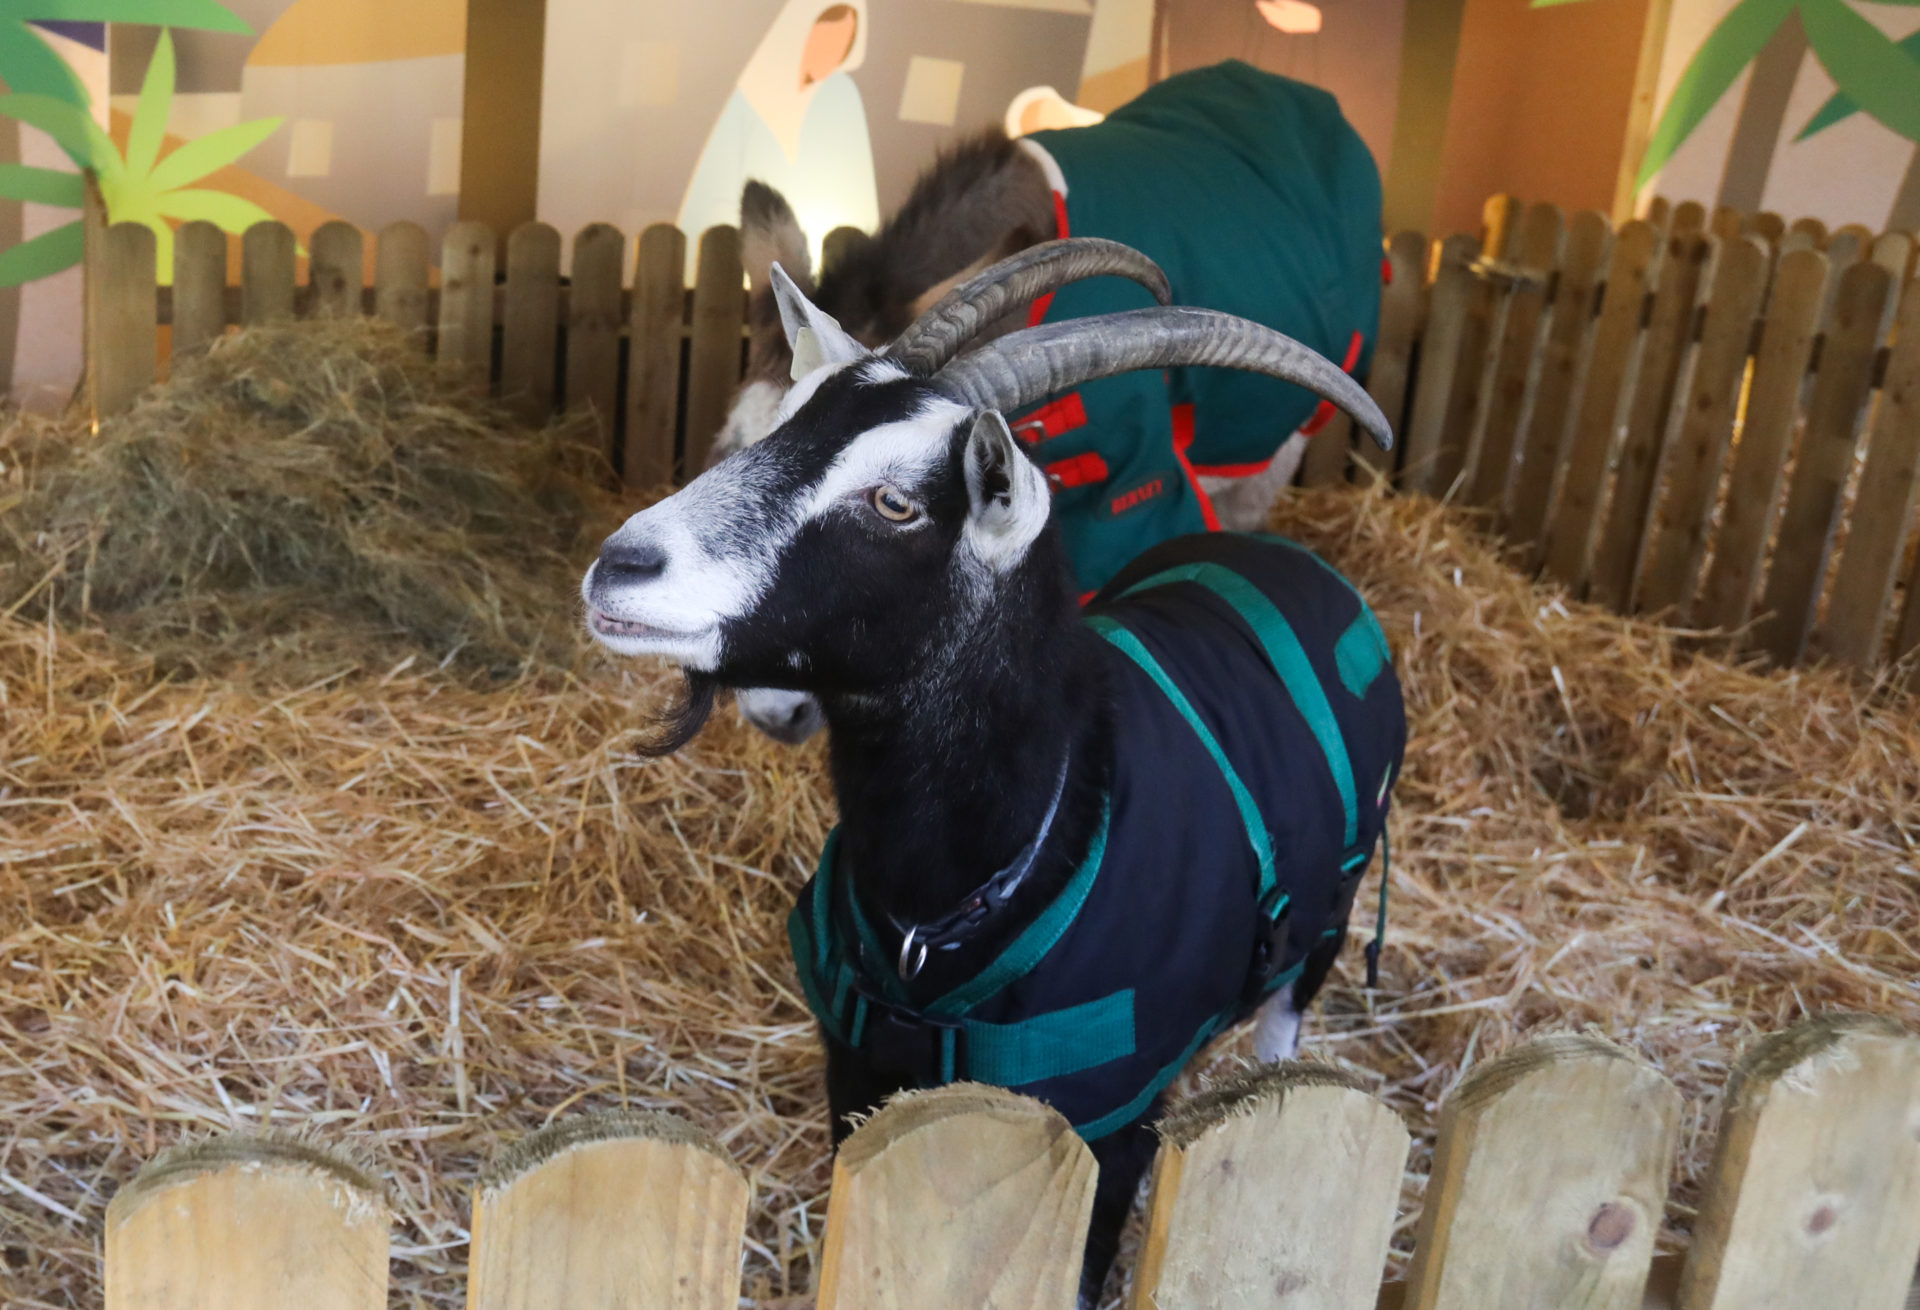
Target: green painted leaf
[
  {"x": 203, "y": 15},
  {"x": 66, "y": 123},
  {"x": 150, "y": 117},
  {"x": 47, "y": 254},
  {"x": 42, "y": 186},
  {"x": 226, "y": 211},
  {"x": 1840, "y": 105},
  {"x": 29, "y": 67},
  {"x": 1715, "y": 66},
  {"x": 206, "y": 154},
  {"x": 1866, "y": 63}
]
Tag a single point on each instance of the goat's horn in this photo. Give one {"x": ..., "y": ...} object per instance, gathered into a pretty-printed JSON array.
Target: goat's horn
[
  {"x": 960, "y": 315},
  {"x": 1023, "y": 367}
]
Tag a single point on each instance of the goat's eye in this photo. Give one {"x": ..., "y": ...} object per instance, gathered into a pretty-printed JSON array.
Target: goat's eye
[{"x": 892, "y": 506}]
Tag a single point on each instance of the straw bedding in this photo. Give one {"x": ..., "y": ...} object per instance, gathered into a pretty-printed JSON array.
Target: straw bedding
[
  {"x": 415, "y": 916},
  {"x": 300, "y": 483}
]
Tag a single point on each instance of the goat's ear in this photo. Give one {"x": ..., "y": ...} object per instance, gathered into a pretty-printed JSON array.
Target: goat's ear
[
  {"x": 812, "y": 334},
  {"x": 1007, "y": 497}
]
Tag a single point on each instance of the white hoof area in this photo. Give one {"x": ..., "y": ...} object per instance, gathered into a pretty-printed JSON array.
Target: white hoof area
[{"x": 1276, "y": 1034}]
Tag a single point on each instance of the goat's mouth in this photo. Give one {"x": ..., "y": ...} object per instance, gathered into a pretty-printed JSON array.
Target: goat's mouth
[{"x": 606, "y": 625}]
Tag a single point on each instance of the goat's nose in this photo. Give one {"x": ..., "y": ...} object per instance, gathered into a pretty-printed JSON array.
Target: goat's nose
[{"x": 629, "y": 562}]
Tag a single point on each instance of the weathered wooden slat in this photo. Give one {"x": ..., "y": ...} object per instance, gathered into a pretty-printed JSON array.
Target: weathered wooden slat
[
  {"x": 267, "y": 269},
  {"x": 530, "y": 325},
  {"x": 1666, "y": 351},
  {"x": 1843, "y": 248},
  {"x": 199, "y": 287},
  {"x": 125, "y": 342},
  {"x": 1705, "y": 410},
  {"x": 1596, "y": 427},
  {"x": 606, "y": 1211},
  {"x": 1499, "y": 220},
  {"x": 467, "y": 258},
  {"x": 713, "y": 368},
  {"x": 593, "y": 325},
  {"x": 1728, "y": 223},
  {"x": 1906, "y": 639},
  {"x": 1813, "y": 1198},
  {"x": 1893, "y": 251},
  {"x": 239, "y": 1224},
  {"x": 1329, "y": 453},
  {"x": 1440, "y": 362},
  {"x": 1517, "y": 371},
  {"x": 653, "y": 357},
  {"x": 1773, "y": 409},
  {"x": 1549, "y": 1181},
  {"x": 1465, "y": 427},
  {"x": 1882, "y": 509},
  {"x": 1813, "y": 227},
  {"x": 1659, "y": 213},
  {"x": 336, "y": 270},
  {"x": 1403, "y": 308},
  {"x": 1569, "y": 339},
  {"x": 1766, "y": 225},
  {"x": 1798, "y": 238},
  {"x": 1824, "y": 461},
  {"x": 400, "y": 276},
  {"x": 954, "y": 1199},
  {"x": 1274, "y": 1189},
  {"x": 1689, "y": 220}
]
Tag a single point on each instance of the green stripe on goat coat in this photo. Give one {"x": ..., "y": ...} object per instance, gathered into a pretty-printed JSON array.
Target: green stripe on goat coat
[{"x": 1222, "y": 777}]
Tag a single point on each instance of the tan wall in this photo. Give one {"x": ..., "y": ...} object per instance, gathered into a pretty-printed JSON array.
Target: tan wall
[{"x": 1540, "y": 106}]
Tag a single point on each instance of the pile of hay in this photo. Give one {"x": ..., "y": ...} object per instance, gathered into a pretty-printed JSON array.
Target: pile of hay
[
  {"x": 324, "y": 479},
  {"x": 422, "y": 917}
]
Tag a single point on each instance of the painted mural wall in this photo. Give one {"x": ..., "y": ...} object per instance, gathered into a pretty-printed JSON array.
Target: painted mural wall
[
  {"x": 1807, "y": 109},
  {"x": 657, "y": 112},
  {"x": 229, "y": 111}
]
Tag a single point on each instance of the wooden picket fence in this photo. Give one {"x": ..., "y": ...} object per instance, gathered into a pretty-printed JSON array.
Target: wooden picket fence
[
  {"x": 655, "y": 364},
  {"x": 1684, "y": 417},
  {"x": 1278, "y": 1188}
]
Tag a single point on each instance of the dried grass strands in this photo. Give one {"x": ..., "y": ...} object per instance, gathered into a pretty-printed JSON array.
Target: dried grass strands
[
  {"x": 221, "y": 905},
  {"x": 326, "y": 470}
]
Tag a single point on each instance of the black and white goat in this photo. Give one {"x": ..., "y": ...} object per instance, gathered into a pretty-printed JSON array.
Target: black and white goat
[{"x": 1072, "y": 845}]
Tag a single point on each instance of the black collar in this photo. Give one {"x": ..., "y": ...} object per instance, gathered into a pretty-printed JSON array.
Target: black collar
[{"x": 981, "y": 904}]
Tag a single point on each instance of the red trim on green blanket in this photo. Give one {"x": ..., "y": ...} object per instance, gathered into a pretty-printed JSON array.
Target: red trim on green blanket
[{"x": 1182, "y": 438}]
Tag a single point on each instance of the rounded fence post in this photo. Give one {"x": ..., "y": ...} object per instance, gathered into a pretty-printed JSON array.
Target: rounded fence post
[
  {"x": 608, "y": 1211},
  {"x": 1813, "y": 1198},
  {"x": 1549, "y": 1182},
  {"x": 954, "y": 1199},
  {"x": 1274, "y": 1188},
  {"x": 245, "y": 1223}
]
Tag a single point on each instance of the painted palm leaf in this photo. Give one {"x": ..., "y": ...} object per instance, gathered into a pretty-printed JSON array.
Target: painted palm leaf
[
  {"x": 1842, "y": 106},
  {"x": 47, "y": 254},
  {"x": 1872, "y": 70},
  {"x": 1715, "y": 66}
]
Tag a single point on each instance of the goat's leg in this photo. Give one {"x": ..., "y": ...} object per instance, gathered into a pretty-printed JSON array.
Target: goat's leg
[
  {"x": 1123, "y": 1158},
  {"x": 1245, "y": 504},
  {"x": 1276, "y": 1033}
]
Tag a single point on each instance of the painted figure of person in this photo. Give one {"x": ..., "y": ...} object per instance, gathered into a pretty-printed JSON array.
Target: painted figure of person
[{"x": 796, "y": 122}]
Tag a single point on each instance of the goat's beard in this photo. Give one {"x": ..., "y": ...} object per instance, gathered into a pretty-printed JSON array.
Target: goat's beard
[{"x": 681, "y": 722}]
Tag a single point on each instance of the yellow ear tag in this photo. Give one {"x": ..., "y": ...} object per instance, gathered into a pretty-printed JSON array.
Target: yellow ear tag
[{"x": 807, "y": 355}]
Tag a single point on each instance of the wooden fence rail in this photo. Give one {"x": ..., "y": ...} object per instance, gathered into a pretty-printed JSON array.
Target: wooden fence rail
[
  {"x": 1686, "y": 417},
  {"x": 1278, "y": 1188}
]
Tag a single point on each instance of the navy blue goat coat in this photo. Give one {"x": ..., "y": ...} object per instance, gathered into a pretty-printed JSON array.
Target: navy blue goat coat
[{"x": 1207, "y": 888}]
